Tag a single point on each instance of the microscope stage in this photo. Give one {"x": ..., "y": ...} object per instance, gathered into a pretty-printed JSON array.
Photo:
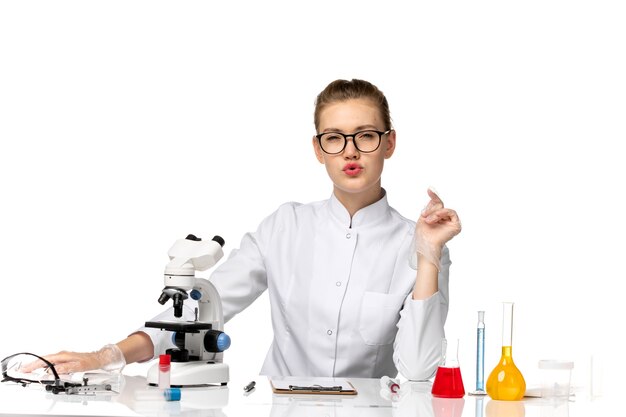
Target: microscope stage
[{"x": 180, "y": 326}]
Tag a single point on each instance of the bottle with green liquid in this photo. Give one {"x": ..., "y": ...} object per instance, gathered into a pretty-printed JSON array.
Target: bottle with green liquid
[{"x": 506, "y": 382}]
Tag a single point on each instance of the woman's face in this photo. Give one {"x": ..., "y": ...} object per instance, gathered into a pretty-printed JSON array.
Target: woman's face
[{"x": 352, "y": 171}]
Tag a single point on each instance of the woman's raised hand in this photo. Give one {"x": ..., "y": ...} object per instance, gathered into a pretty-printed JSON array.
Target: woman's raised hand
[{"x": 435, "y": 226}]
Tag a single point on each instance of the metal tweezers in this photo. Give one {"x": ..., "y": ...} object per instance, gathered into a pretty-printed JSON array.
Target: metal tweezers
[{"x": 315, "y": 388}]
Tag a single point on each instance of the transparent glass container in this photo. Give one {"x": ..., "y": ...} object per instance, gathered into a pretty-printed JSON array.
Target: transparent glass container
[
  {"x": 480, "y": 355},
  {"x": 506, "y": 382},
  {"x": 448, "y": 381}
]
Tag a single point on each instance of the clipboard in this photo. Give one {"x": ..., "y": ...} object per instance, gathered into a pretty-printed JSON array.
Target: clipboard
[{"x": 316, "y": 386}]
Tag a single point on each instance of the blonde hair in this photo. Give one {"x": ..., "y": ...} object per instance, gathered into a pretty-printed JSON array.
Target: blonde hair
[{"x": 342, "y": 90}]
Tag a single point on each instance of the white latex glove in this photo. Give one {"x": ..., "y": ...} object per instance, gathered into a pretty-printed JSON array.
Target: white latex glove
[
  {"x": 109, "y": 358},
  {"x": 435, "y": 226}
]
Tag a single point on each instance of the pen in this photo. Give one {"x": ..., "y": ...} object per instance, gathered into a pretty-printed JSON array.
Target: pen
[
  {"x": 315, "y": 388},
  {"x": 249, "y": 387}
]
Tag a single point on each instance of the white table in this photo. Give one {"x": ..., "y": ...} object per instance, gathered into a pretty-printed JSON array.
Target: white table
[{"x": 231, "y": 401}]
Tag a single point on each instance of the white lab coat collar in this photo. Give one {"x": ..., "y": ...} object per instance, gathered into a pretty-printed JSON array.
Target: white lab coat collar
[{"x": 366, "y": 216}]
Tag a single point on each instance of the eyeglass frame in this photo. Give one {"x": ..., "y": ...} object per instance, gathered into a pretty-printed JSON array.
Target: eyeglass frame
[
  {"x": 25, "y": 381},
  {"x": 353, "y": 135}
]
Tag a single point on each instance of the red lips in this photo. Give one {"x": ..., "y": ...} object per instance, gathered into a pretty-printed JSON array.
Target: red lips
[{"x": 352, "y": 169}]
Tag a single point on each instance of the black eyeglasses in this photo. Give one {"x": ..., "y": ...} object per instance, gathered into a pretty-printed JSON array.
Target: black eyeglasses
[
  {"x": 365, "y": 141},
  {"x": 55, "y": 386},
  {"x": 24, "y": 381},
  {"x": 51, "y": 385}
]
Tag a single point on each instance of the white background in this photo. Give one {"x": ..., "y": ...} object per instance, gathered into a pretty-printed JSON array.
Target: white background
[{"x": 126, "y": 125}]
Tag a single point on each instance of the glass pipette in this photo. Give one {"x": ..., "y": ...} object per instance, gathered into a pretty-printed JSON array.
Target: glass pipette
[{"x": 480, "y": 355}]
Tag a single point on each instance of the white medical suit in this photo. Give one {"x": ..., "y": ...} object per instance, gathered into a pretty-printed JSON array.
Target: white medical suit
[{"x": 340, "y": 293}]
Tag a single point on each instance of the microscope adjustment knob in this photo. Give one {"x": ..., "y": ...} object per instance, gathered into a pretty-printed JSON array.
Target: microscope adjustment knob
[{"x": 216, "y": 341}]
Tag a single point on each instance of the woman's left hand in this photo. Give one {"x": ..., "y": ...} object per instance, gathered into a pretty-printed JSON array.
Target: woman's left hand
[{"x": 436, "y": 226}]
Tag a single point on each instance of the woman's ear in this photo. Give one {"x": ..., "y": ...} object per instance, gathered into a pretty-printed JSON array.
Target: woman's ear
[
  {"x": 318, "y": 150},
  {"x": 390, "y": 144}
]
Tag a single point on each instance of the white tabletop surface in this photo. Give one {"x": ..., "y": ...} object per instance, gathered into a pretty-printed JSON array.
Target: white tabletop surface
[{"x": 231, "y": 401}]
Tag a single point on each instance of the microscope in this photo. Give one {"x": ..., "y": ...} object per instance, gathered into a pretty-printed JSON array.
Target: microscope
[{"x": 197, "y": 359}]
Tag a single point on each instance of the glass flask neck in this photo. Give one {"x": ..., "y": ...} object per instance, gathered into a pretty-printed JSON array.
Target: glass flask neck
[
  {"x": 507, "y": 353},
  {"x": 449, "y": 353},
  {"x": 507, "y": 324}
]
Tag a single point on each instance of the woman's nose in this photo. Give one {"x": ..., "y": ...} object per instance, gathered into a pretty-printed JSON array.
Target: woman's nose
[{"x": 350, "y": 151}]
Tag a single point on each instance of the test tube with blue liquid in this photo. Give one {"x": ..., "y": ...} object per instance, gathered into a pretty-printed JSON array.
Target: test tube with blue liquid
[{"x": 480, "y": 356}]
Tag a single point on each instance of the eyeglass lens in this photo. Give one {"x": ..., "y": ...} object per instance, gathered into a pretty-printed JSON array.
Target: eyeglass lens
[{"x": 366, "y": 141}]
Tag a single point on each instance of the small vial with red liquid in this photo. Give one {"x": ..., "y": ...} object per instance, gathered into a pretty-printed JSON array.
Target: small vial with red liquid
[
  {"x": 389, "y": 383},
  {"x": 448, "y": 381},
  {"x": 164, "y": 371}
]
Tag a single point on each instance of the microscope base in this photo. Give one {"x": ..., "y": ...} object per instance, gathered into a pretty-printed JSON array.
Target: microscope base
[{"x": 194, "y": 373}]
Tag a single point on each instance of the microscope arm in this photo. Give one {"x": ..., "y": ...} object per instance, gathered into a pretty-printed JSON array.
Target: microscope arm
[{"x": 209, "y": 304}]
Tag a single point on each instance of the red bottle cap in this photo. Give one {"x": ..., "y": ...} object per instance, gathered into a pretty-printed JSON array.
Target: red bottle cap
[{"x": 164, "y": 359}]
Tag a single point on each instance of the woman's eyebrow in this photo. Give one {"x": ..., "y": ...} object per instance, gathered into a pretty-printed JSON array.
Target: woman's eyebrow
[{"x": 356, "y": 129}]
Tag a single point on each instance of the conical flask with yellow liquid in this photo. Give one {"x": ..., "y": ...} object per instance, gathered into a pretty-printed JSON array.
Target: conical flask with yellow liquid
[{"x": 506, "y": 382}]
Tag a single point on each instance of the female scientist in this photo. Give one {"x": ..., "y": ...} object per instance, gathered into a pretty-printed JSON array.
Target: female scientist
[{"x": 345, "y": 300}]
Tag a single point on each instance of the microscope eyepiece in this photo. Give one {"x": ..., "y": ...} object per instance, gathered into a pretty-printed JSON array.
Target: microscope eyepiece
[{"x": 219, "y": 240}]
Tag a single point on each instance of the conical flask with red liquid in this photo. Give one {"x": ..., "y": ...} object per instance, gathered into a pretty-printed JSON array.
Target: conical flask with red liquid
[{"x": 448, "y": 381}]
